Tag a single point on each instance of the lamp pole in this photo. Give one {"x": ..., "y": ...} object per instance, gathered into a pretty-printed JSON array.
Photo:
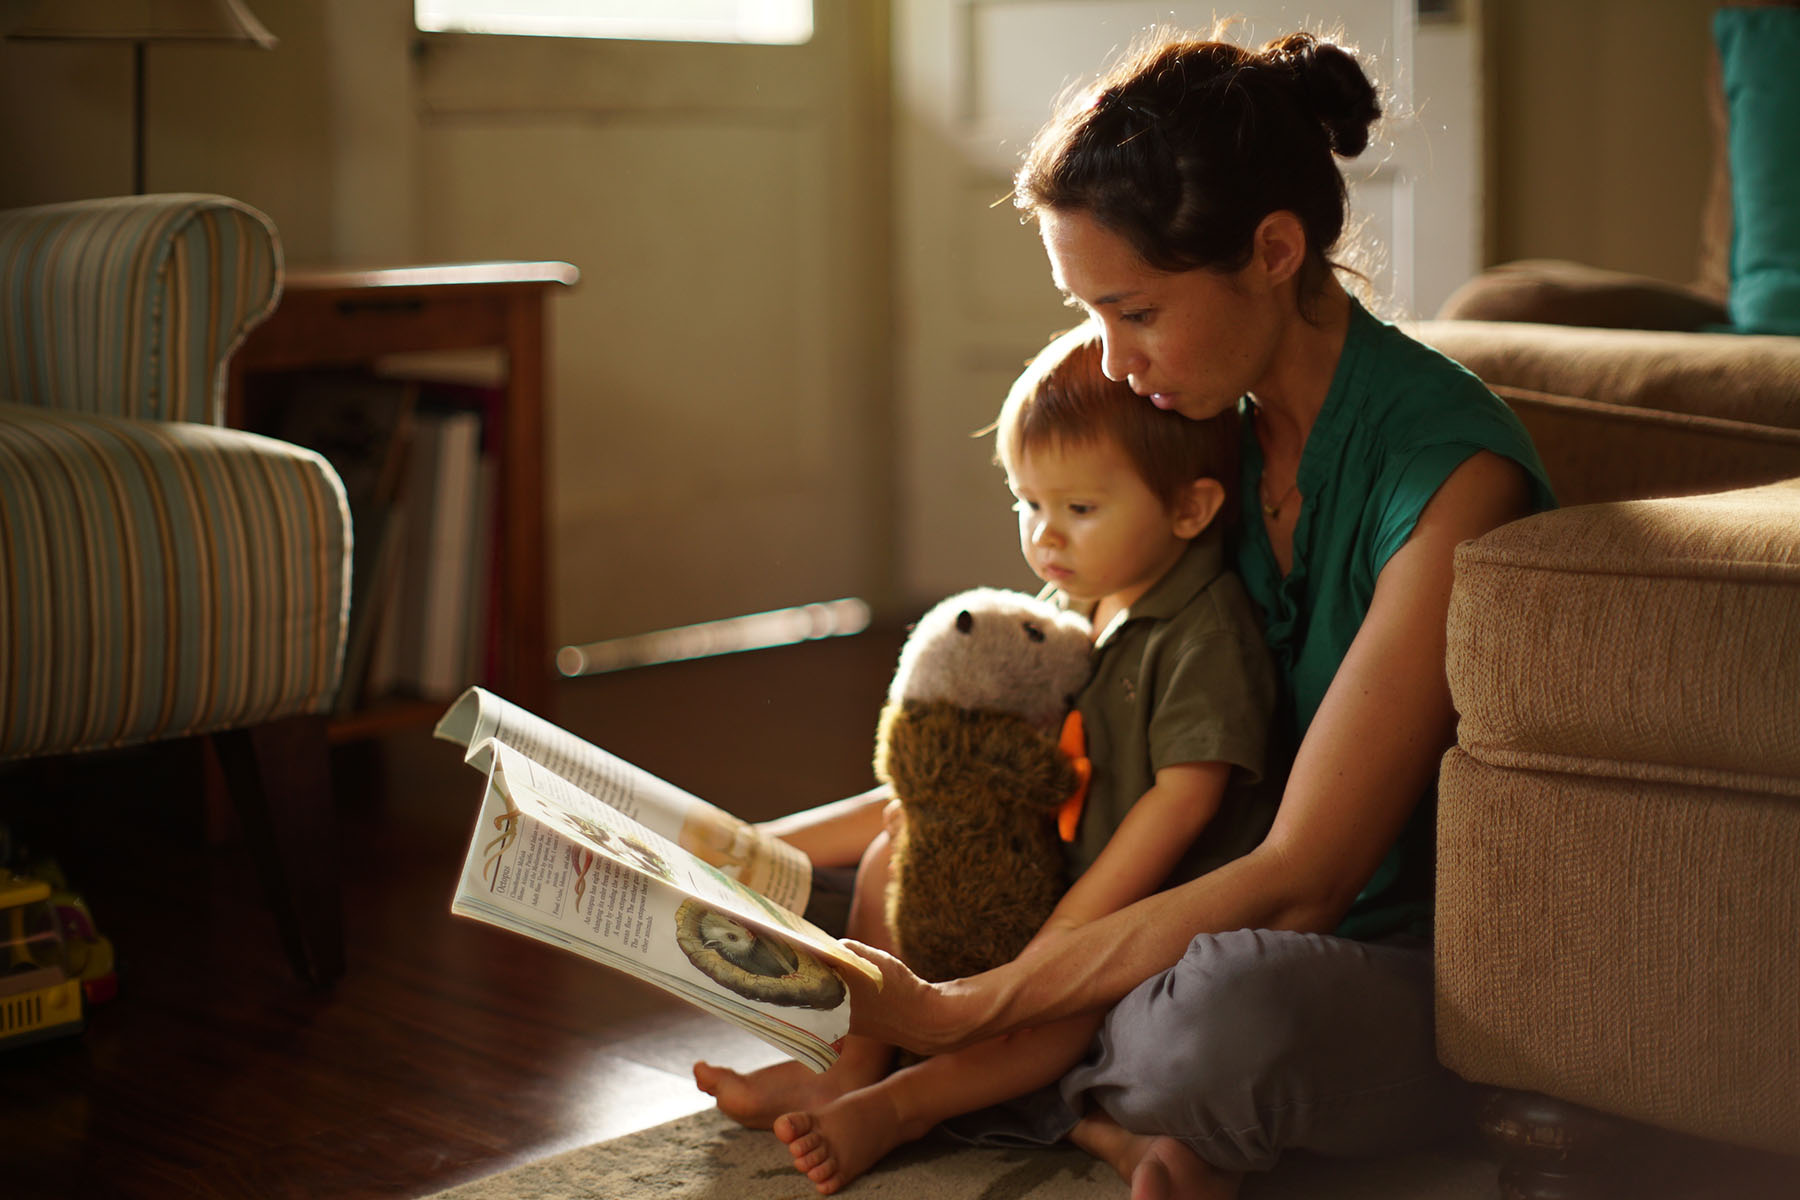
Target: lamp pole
[{"x": 137, "y": 116}]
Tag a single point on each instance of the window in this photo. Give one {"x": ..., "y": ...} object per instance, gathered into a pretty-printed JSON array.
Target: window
[{"x": 770, "y": 22}]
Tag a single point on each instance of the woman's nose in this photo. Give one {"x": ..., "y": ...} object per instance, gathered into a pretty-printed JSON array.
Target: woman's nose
[{"x": 1118, "y": 357}]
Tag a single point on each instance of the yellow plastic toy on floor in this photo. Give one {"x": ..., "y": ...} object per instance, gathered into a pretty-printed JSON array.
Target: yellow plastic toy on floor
[{"x": 39, "y": 997}]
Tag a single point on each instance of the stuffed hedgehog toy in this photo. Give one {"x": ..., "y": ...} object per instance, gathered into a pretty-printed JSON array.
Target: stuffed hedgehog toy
[{"x": 968, "y": 742}]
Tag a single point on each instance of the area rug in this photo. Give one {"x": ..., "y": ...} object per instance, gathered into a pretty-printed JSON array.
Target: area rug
[{"x": 706, "y": 1157}]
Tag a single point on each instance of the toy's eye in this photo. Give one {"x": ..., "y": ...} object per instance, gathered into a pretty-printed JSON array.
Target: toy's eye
[
  {"x": 965, "y": 621},
  {"x": 1033, "y": 632}
]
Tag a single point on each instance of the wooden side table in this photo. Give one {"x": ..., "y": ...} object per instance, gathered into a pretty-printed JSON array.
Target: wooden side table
[{"x": 340, "y": 317}]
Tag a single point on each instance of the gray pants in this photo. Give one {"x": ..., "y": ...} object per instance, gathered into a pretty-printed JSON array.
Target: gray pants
[{"x": 1256, "y": 1043}]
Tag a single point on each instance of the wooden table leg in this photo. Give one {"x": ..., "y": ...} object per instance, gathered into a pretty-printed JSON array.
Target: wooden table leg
[{"x": 524, "y": 668}]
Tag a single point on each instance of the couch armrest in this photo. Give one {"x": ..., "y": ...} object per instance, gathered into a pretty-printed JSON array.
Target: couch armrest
[{"x": 131, "y": 306}]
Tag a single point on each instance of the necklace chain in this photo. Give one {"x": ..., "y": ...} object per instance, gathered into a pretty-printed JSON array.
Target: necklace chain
[{"x": 1273, "y": 509}]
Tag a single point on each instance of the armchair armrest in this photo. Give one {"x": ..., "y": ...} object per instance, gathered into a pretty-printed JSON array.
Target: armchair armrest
[{"x": 131, "y": 306}]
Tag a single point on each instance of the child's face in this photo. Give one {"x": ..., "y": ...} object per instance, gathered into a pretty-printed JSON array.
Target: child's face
[{"x": 1089, "y": 524}]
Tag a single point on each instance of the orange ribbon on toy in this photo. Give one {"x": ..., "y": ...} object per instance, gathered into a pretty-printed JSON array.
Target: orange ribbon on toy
[{"x": 1073, "y": 743}]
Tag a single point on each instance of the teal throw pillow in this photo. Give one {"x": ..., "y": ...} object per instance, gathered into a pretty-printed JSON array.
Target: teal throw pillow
[{"x": 1759, "y": 60}]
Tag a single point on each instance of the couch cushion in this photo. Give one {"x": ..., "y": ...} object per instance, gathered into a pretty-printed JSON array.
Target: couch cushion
[
  {"x": 1651, "y": 640},
  {"x": 162, "y": 578},
  {"x": 1551, "y": 291}
]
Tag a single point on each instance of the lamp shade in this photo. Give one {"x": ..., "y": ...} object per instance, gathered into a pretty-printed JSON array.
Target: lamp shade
[{"x": 140, "y": 21}]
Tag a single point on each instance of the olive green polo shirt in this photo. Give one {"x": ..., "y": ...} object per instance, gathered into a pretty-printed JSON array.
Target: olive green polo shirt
[
  {"x": 1399, "y": 418},
  {"x": 1181, "y": 676}
]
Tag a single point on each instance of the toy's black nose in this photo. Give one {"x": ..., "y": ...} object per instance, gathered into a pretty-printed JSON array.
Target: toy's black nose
[
  {"x": 1033, "y": 632},
  {"x": 965, "y": 621}
]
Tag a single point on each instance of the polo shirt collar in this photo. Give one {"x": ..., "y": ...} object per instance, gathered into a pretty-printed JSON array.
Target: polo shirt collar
[{"x": 1200, "y": 564}]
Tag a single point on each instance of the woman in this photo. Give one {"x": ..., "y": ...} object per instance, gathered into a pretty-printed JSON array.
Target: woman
[{"x": 1188, "y": 205}]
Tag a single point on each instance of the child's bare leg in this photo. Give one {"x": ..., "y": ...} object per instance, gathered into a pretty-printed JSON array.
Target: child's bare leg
[
  {"x": 756, "y": 1099},
  {"x": 835, "y": 1142},
  {"x": 1157, "y": 1168}
]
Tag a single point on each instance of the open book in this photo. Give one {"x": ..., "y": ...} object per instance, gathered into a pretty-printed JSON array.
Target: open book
[{"x": 578, "y": 848}]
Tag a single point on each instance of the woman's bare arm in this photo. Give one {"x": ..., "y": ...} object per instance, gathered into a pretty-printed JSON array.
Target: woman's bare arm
[{"x": 1368, "y": 755}]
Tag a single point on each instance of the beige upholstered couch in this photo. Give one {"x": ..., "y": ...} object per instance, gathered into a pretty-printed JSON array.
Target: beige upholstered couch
[{"x": 1619, "y": 823}]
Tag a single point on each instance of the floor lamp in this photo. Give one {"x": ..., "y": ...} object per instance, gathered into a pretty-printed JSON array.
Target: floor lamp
[{"x": 139, "y": 22}]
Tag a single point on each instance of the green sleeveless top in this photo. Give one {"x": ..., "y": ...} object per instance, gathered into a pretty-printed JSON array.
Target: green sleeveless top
[{"x": 1398, "y": 420}]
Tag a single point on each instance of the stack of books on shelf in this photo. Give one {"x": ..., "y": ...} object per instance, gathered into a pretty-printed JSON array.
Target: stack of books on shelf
[{"x": 428, "y": 641}]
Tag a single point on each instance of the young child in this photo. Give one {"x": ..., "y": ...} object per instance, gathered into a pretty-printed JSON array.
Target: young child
[{"x": 1120, "y": 512}]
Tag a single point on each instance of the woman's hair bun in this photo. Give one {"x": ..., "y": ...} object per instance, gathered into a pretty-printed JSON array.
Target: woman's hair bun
[{"x": 1336, "y": 89}]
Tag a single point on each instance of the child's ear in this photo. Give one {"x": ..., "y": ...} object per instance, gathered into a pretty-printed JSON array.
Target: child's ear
[{"x": 1196, "y": 506}]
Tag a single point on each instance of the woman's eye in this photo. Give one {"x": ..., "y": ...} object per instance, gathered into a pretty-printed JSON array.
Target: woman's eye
[{"x": 1137, "y": 317}]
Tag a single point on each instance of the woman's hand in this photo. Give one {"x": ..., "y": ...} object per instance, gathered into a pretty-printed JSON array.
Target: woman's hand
[{"x": 926, "y": 1018}]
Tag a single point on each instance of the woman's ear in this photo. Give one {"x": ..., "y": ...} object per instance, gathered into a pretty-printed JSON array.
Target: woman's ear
[
  {"x": 1196, "y": 506},
  {"x": 1278, "y": 246}
]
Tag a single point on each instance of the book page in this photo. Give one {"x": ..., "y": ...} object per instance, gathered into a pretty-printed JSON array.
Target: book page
[
  {"x": 545, "y": 796},
  {"x": 529, "y": 876},
  {"x": 767, "y": 865}
]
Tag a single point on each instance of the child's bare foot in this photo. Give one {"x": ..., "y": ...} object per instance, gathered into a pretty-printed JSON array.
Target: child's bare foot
[
  {"x": 1157, "y": 1168},
  {"x": 756, "y": 1099},
  {"x": 837, "y": 1142}
]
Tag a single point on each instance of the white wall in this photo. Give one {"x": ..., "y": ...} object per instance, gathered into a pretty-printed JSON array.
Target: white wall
[
  {"x": 719, "y": 379},
  {"x": 720, "y": 372}
]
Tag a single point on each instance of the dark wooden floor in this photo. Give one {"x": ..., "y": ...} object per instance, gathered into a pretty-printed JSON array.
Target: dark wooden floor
[{"x": 449, "y": 1050}]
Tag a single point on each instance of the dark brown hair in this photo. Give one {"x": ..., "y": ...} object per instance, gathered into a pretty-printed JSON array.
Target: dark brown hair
[
  {"x": 1183, "y": 146},
  {"x": 1064, "y": 398}
]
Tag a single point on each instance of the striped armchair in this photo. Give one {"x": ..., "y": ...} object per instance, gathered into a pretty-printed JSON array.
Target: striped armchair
[{"x": 162, "y": 576}]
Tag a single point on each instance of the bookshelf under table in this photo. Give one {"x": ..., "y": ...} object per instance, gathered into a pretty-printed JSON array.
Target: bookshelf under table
[{"x": 338, "y": 317}]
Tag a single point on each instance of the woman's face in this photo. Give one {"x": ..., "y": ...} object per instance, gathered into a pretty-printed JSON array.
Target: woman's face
[{"x": 1191, "y": 341}]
